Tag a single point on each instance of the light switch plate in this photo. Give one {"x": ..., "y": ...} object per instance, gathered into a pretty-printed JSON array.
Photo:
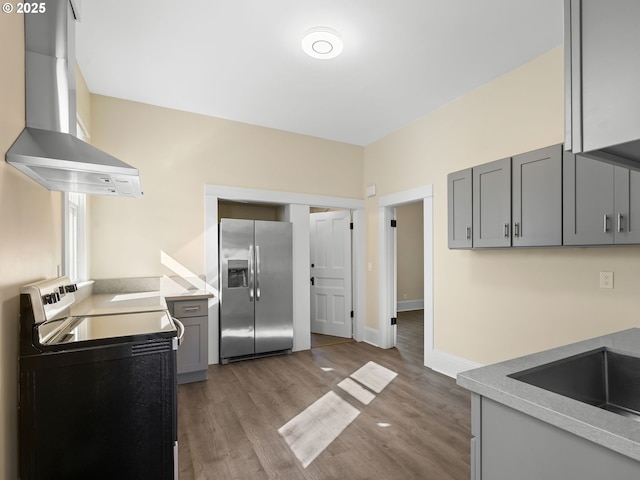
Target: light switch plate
[{"x": 606, "y": 279}]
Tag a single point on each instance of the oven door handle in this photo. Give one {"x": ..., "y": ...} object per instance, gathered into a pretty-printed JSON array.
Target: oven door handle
[{"x": 180, "y": 326}]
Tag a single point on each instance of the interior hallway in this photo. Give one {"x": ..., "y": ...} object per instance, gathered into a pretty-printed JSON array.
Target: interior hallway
[{"x": 418, "y": 427}]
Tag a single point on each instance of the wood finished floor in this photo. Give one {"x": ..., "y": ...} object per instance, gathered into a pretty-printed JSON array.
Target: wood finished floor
[
  {"x": 320, "y": 340},
  {"x": 228, "y": 426}
]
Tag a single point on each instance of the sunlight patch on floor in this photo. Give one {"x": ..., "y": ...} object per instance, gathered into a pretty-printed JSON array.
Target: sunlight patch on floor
[
  {"x": 374, "y": 376},
  {"x": 357, "y": 391},
  {"x": 313, "y": 430},
  {"x": 309, "y": 433}
]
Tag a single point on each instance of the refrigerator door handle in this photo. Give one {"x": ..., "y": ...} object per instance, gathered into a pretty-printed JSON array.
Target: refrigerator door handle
[
  {"x": 257, "y": 272},
  {"x": 251, "y": 273}
]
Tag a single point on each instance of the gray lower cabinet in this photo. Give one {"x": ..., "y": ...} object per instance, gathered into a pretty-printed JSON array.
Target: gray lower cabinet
[
  {"x": 601, "y": 202},
  {"x": 509, "y": 445},
  {"x": 492, "y": 204},
  {"x": 536, "y": 206},
  {"x": 602, "y": 74},
  {"x": 459, "y": 209},
  {"x": 193, "y": 350}
]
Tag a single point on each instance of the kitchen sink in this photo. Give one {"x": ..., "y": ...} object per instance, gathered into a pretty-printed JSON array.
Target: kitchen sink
[{"x": 601, "y": 378}]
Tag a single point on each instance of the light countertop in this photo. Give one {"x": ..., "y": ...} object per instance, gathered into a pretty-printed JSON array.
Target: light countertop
[
  {"x": 189, "y": 295},
  {"x": 113, "y": 303},
  {"x": 605, "y": 428}
]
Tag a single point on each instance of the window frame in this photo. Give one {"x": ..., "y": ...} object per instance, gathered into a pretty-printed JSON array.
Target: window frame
[{"x": 74, "y": 236}]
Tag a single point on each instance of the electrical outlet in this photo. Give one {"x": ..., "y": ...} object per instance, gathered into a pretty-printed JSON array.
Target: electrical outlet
[{"x": 606, "y": 279}]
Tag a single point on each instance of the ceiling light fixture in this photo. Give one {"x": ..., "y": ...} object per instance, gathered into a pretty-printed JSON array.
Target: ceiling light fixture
[{"x": 322, "y": 42}]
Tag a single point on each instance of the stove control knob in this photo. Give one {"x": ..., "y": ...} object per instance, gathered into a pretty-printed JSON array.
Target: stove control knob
[
  {"x": 71, "y": 288},
  {"x": 61, "y": 290},
  {"x": 49, "y": 299}
]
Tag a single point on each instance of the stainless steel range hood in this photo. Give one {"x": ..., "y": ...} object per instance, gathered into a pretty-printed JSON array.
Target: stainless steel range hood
[{"x": 48, "y": 150}]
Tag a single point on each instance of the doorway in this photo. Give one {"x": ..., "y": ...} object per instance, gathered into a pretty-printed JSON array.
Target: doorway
[
  {"x": 387, "y": 254},
  {"x": 330, "y": 243},
  {"x": 296, "y": 210},
  {"x": 409, "y": 261}
]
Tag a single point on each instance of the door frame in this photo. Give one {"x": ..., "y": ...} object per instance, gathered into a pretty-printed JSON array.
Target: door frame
[
  {"x": 297, "y": 206},
  {"x": 387, "y": 259}
]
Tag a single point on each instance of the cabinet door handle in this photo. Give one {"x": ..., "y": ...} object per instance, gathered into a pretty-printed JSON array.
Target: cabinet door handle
[
  {"x": 506, "y": 230},
  {"x": 190, "y": 309},
  {"x": 605, "y": 223},
  {"x": 516, "y": 229},
  {"x": 619, "y": 229},
  {"x": 468, "y": 233}
]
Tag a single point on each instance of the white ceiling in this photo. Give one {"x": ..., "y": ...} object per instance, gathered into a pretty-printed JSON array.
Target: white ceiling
[{"x": 241, "y": 59}]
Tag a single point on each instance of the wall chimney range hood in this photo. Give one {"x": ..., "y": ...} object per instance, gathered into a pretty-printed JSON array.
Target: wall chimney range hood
[{"x": 48, "y": 150}]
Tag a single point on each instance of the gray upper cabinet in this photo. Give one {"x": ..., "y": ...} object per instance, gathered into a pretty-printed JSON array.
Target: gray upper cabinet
[
  {"x": 492, "y": 204},
  {"x": 602, "y": 74},
  {"x": 588, "y": 201},
  {"x": 626, "y": 206},
  {"x": 537, "y": 198},
  {"x": 547, "y": 197},
  {"x": 459, "y": 209},
  {"x": 515, "y": 202},
  {"x": 601, "y": 202}
]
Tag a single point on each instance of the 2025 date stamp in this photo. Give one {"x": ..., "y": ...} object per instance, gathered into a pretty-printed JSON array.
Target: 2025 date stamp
[{"x": 24, "y": 7}]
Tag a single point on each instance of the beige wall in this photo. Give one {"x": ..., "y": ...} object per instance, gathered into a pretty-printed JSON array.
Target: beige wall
[
  {"x": 29, "y": 234},
  {"x": 250, "y": 211},
  {"x": 83, "y": 102},
  {"x": 178, "y": 153},
  {"x": 493, "y": 305},
  {"x": 410, "y": 246}
]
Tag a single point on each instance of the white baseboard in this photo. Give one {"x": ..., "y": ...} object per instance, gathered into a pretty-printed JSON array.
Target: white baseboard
[
  {"x": 448, "y": 364},
  {"x": 371, "y": 336},
  {"x": 441, "y": 362},
  {"x": 407, "y": 305}
]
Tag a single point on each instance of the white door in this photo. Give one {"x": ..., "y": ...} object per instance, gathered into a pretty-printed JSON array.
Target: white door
[{"x": 330, "y": 236}]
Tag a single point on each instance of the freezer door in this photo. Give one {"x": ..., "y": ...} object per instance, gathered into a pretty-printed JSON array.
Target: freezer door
[
  {"x": 274, "y": 286},
  {"x": 237, "y": 296}
]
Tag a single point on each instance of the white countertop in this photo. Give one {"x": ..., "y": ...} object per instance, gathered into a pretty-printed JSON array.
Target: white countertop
[
  {"x": 113, "y": 303},
  {"x": 189, "y": 295}
]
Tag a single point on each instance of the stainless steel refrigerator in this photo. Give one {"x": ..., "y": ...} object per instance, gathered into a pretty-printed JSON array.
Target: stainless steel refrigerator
[{"x": 256, "y": 297}]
